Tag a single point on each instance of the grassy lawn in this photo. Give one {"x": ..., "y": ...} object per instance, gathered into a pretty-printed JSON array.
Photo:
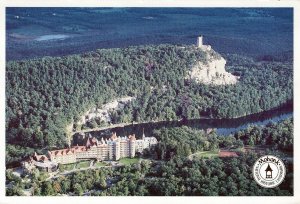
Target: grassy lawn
[
  {"x": 206, "y": 154},
  {"x": 99, "y": 164},
  {"x": 83, "y": 164},
  {"x": 128, "y": 161},
  {"x": 238, "y": 150},
  {"x": 68, "y": 167}
]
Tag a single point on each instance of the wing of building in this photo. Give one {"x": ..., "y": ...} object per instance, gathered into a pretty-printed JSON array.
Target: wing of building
[{"x": 114, "y": 148}]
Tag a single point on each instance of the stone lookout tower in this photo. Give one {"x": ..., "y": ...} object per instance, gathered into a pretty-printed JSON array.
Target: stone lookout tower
[
  {"x": 200, "y": 44},
  {"x": 200, "y": 41}
]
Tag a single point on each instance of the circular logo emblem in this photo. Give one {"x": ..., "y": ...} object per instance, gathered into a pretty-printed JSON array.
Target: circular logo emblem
[{"x": 269, "y": 171}]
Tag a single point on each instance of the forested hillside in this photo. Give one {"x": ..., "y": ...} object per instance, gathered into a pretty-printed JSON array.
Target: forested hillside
[{"x": 43, "y": 96}]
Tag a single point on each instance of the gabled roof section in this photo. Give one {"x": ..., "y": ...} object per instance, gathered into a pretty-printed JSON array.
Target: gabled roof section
[
  {"x": 114, "y": 136},
  {"x": 268, "y": 168},
  {"x": 132, "y": 137}
]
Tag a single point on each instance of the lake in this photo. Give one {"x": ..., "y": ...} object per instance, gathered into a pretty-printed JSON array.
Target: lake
[
  {"x": 222, "y": 126},
  {"x": 51, "y": 37}
]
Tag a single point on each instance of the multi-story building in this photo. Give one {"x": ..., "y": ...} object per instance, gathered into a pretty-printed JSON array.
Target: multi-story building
[
  {"x": 114, "y": 148},
  {"x": 39, "y": 161}
]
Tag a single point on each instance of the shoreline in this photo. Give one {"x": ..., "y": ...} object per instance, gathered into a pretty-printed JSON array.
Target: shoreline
[{"x": 284, "y": 107}]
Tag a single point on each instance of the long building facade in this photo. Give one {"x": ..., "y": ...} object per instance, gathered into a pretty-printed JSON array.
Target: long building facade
[{"x": 114, "y": 148}]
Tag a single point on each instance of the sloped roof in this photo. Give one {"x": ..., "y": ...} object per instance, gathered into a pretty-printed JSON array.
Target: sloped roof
[
  {"x": 41, "y": 157},
  {"x": 268, "y": 168},
  {"x": 114, "y": 136},
  {"x": 132, "y": 137},
  {"x": 91, "y": 142}
]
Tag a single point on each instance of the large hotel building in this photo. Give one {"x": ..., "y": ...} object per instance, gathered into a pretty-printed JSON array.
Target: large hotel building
[{"x": 114, "y": 148}]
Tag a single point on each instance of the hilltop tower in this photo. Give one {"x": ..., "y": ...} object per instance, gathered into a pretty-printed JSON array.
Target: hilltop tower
[
  {"x": 143, "y": 134},
  {"x": 200, "y": 41}
]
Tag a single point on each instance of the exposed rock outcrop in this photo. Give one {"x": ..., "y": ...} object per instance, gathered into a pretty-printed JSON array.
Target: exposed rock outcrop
[
  {"x": 212, "y": 71},
  {"x": 104, "y": 113}
]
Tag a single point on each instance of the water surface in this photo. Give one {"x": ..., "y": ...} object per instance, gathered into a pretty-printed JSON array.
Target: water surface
[
  {"x": 51, "y": 37},
  {"x": 222, "y": 126}
]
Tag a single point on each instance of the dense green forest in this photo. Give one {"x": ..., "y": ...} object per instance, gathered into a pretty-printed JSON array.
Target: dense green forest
[
  {"x": 278, "y": 136},
  {"x": 175, "y": 173},
  {"x": 179, "y": 176},
  {"x": 43, "y": 96},
  {"x": 184, "y": 141}
]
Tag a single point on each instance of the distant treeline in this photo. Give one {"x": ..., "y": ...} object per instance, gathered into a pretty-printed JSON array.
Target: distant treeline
[
  {"x": 44, "y": 96},
  {"x": 285, "y": 56}
]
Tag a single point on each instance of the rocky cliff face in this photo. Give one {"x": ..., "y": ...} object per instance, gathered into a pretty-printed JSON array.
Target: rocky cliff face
[{"x": 212, "y": 71}]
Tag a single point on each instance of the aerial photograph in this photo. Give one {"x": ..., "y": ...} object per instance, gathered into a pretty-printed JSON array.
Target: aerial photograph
[{"x": 149, "y": 101}]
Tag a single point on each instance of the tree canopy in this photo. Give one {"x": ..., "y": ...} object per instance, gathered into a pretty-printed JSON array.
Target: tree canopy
[{"x": 45, "y": 95}]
